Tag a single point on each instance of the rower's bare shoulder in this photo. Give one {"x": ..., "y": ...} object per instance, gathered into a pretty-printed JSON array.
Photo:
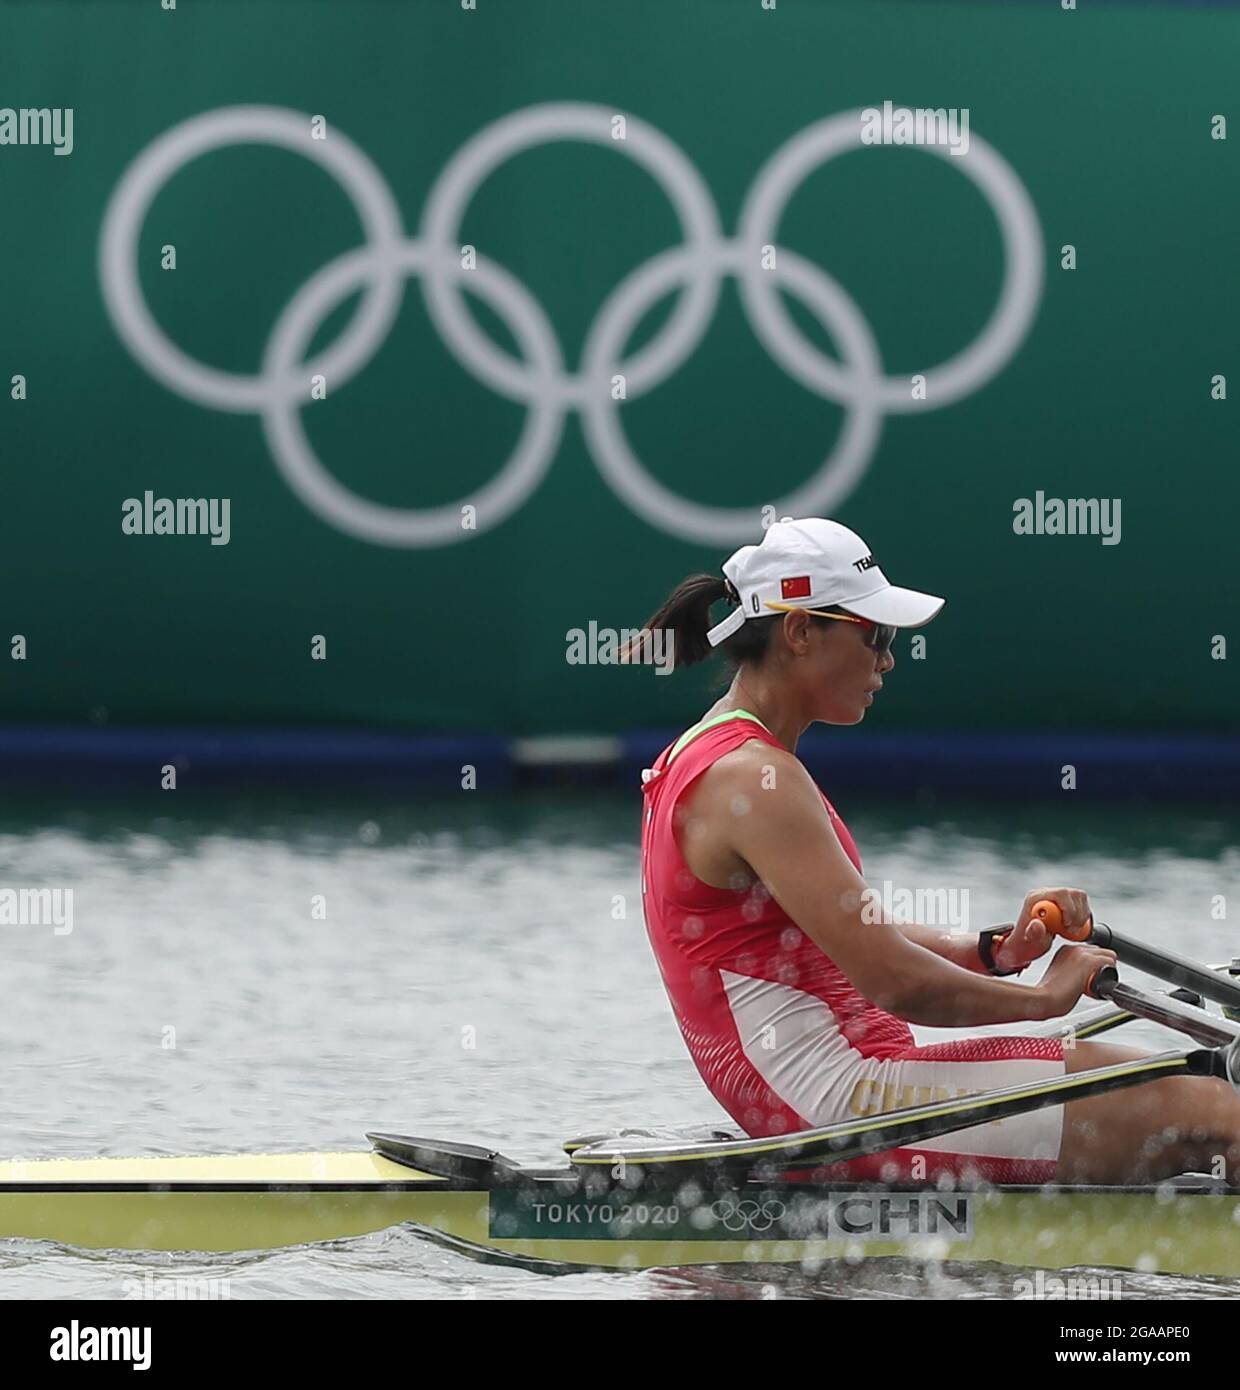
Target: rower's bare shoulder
[{"x": 756, "y": 766}]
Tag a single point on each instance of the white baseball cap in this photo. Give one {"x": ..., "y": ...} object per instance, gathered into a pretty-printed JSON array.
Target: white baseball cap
[{"x": 815, "y": 563}]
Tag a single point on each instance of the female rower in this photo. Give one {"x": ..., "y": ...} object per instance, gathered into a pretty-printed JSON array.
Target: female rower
[{"x": 793, "y": 999}]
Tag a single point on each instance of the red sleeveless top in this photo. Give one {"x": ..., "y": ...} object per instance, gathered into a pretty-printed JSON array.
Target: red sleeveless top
[{"x": 774, "y": 1026}]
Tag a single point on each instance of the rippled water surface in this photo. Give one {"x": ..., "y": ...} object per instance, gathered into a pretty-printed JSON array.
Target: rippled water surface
[{"x": 481, "y": 973}]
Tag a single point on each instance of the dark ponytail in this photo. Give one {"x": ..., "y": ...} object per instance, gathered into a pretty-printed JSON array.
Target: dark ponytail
[{"x": 685, "y": 617}]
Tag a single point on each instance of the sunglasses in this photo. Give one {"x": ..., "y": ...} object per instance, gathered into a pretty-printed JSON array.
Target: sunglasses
[{"x": 879, "y": 636}]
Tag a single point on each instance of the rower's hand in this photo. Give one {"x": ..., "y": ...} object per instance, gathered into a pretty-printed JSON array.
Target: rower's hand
[
  {"x": 1025, "y": 942},
  {"x": 1068, "y": 976},
  {"x": 1030, "y": 939}
]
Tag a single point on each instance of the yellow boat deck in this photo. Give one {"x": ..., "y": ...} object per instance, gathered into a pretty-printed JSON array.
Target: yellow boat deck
[{"x": 264, "y": 1201}]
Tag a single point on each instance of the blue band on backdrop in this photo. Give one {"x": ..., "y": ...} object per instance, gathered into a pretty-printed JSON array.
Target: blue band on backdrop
[
  {"x": 1185, "y": 767},
  {"x": 306, "y": 759}
]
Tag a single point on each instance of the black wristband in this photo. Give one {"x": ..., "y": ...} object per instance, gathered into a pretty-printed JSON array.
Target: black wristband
[{"x": 987, "y": 942}]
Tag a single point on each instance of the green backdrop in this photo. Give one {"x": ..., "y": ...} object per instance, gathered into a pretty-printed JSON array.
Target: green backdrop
[{"x": 1103, "y": 119}]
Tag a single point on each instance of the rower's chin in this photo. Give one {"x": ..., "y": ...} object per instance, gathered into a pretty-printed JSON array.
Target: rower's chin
[{"x": 844, "y": 715}]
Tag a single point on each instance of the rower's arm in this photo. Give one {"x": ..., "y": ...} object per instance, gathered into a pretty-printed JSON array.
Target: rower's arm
[
  {"x": 959, "y": 948},
  {"x": 779, "y": 826}
]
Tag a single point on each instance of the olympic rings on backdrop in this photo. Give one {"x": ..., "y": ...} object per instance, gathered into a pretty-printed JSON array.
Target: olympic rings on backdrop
[{"x": 538, "y": 378}]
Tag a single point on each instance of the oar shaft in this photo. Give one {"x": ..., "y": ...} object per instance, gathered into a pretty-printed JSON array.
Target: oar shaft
[
  {"x": 1165, "y": 965},
  {"x": 1092, "y": 1023},
  {"x": 1163, "y": 1008}
]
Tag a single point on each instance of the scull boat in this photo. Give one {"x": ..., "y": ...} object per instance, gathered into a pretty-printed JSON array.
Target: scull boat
[
  {"x": 554, "y": 1220},
  {"x": 643, "y": 1199}
]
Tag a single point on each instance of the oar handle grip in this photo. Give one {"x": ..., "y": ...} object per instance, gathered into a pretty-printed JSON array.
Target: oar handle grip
[
  {"x": 1102, "y": 982},
  {"x": 1167, "y": 965},
  {"x": 1052, "y": 915}
]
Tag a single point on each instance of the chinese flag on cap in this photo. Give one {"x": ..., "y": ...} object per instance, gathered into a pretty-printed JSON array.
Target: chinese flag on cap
[{"x": 795, "y": 588}]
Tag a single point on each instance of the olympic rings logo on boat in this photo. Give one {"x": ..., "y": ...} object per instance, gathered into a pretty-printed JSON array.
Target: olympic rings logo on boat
[
  {"x": 539, "y": 378},
  {"x": 745, "y": 1214}
]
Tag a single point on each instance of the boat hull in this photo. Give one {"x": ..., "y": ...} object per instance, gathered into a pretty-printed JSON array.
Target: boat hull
[
  {"x": 230, "y": 1202},
  {"x": 247, "y": 1202}
]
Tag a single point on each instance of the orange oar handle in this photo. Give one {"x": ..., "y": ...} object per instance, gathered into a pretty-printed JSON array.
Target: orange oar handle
[{"x": 1050, "y": 913}]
